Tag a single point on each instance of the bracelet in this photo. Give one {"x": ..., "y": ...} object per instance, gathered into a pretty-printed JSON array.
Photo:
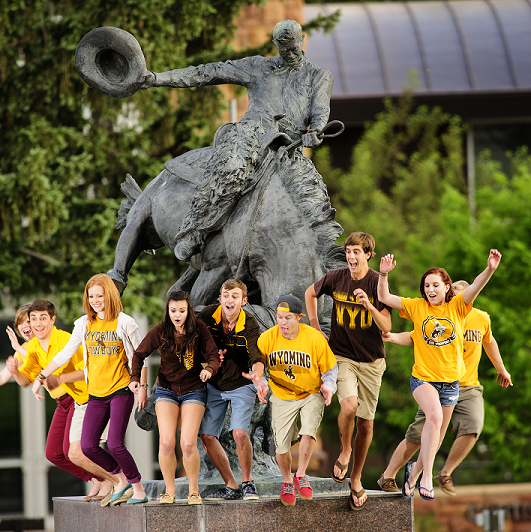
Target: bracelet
[
  {"x": 41, "y": 377},
  {"x": 144, "y": 385},
  {"x": 383, "y": 274}
]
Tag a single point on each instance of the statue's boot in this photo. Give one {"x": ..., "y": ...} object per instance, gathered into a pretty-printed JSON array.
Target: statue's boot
[{"x": 119, "y": 278}]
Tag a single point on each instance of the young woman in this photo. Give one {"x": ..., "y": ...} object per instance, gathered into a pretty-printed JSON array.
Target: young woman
[
  {"x": 184, "y": 343},
  {"x": 109, "y": 338},
  {"x": 22, "y": 326},
  {"x": 438, "y": 319}
]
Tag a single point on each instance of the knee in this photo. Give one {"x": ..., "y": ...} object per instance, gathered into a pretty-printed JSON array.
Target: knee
[
  {"x": 434, "y": 419},
  {"x": 167, "y": 446},
  {"x": 349, "y": 406},
  {"x": 188, "y": 447},
  {"x": 54, "y": 455},
  {"x": 207, "y": 440},
  {"x": 240, "y": 437},
  {"x": 364, "y": 427}
]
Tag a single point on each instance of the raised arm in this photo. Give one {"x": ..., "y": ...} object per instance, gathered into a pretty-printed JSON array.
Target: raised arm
[
  {"x": 493, "y": 352},
  {"x": 470, "y": 292},
  {"x": 387, "y": 263},
  {"x": 14, "y": 342}
]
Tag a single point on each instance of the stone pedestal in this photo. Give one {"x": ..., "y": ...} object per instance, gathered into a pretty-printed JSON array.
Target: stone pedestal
[{"x": 328, "y": 511}]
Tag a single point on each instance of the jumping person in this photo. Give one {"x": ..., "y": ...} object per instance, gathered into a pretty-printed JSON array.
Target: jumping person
[
  {"x": 23, "y": 329},
  {"x": 468, "y": 414},
  {"x": 184, "y": 343},
  {"x": 303, "y": 373},
  {"x": 438, "y": 334},
  {"x": 235, "y": 333},
  {"x": 358, "y": 319},
  {"x": 107, "y": 338}
]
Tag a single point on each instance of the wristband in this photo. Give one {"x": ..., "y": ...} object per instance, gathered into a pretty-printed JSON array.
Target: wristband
[
  {"x": 41, "y": 377},
  {"x": 144, "y": 385},
  {"x": 383, "y": 274}
]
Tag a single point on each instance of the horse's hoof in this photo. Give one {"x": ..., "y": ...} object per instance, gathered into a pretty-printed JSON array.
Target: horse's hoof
[
  {"x": 185, "y": 250},
  {"x": 119, "y": 278}
]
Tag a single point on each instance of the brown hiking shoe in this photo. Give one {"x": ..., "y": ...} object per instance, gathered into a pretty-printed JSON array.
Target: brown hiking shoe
[
  {"x": 446, "y": 483},
  {"x": 388, "y": 484}
]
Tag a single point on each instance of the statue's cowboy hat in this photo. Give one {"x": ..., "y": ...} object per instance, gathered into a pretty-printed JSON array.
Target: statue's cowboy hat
[{"x": 111, "y": 61}]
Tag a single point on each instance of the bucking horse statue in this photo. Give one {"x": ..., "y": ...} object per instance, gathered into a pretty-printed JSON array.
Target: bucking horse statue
[{"x": 251, "y": 206}]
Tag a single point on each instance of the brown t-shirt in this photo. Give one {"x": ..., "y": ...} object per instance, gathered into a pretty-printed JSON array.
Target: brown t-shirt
[{"x": 353, "y": 334}]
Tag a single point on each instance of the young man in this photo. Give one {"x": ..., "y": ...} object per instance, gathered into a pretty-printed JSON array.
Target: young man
[
  {"x": 303, "y": 373},
  {"x": 235, "y": 333},
  {"x": 67, "y": 386},
  {"x": 467, "y": 417},
  {"x": 358, "y": 319}
]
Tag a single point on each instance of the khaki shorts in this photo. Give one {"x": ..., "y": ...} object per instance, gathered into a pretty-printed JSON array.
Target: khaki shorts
[
  {"x": 77, "y": 424},
  {"x": 361, "y": 380},
  {"x": 467, "y": 417},
  {"x": 284, "y": 414}
]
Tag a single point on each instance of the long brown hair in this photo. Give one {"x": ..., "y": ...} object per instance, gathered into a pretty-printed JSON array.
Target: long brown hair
[
  {"x": 445, "y": 279},
  {"x": 190, "y": 336},
  {"x": 113, "y": 303}
]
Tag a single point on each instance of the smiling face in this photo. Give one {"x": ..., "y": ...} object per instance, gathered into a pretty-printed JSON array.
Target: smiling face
[
  {"x": 231, "y": 303},
  {"x": 96, "y": 298},
  {"x": 288, "y": 323},
  {"x": 178, "y": 312},
  {"x": 435, "y": 289},
  {"x": 357, "y": 261},
  {"x": 25, "y": 331},
  {"x": 41, "y": 324}
]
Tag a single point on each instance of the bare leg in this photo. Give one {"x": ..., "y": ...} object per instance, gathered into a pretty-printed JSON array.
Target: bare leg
[
  {"x": 192, "y": 414},
  {"x": 306, "y": 447},
  {"x": 405, "y": 450},
  {"x": 244, "y": 449},
  {"x": 167, "y": 417},
  {"x": 346, "y": 422},
  {"x": 284, "y": 464},
  {"x": 78, "y": 458},
  {"x": 218, "y": 456},
  {"x": 362, "y": 442},
  {"x": 460, "y": 448}
]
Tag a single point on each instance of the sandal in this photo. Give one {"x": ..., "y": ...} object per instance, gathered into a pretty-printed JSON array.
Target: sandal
[
  {"x": 194, "y": 498},
  {"x": 356, "y": 494},
  {"x": 167, "y": 498},
  {"x": 342, "y": 467},
  {"x": 419, "y": 487},
  {"x": 407, "y": 472}
]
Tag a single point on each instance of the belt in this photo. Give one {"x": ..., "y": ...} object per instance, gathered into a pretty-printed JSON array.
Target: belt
[{"x": 59, "y": 399}]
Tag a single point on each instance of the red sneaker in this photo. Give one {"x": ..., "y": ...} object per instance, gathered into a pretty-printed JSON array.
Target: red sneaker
[
  {"x": 303, "y": 487},
  {"x": 287, "y": 495}
]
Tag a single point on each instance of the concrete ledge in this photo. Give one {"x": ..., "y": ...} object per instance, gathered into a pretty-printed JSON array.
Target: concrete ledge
[{"x": 331, "y": 512}]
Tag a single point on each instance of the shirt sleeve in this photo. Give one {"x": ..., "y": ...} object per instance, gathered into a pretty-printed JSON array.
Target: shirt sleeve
[
  {"x": 31, "y": 366},
  {"x": 329, "y": 379},
  {"x": 253, "y": 333},
  {"x": 149, "y": 344},
  {"x": 322, "y": 286},
  {"x": 209, "y": 349}
]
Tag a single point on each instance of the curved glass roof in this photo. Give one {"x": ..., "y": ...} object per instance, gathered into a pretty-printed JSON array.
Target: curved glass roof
[{"x": 452, "y": 46}]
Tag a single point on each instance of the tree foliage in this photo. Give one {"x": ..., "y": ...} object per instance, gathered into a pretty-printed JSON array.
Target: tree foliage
[{"x": 407, "y": 188}]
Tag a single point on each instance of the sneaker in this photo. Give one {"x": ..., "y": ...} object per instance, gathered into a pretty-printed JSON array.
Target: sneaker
[
  {"x": 287, "y": 495},
  {"x": 388, "y": 484},
  {"x": 249, "y": 490},
  {"x": 303, "y": 487},
  {"x": 229, "y": 494},
  {"x": 447, "y": 484}
]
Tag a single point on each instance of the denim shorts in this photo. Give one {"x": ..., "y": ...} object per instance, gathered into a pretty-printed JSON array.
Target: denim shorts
[
  {"x": 448, "y": 391},
  {"x": 195, "y": 396},
  {"x": 242, "y": 406}
]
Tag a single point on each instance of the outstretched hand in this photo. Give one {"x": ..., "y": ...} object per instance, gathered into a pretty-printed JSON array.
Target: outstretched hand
[
  {"x": 327, "y": 394},
  {"x": 494, "y": 259},
  {"x": 13, "y": 338},
  {"x": 35, "y": 390},
  {"x": 261, "y": 385},
  {"x": 387, "y": 263}
]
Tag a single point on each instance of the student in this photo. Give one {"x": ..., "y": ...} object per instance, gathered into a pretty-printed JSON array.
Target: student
[
  {"x": 303, "y": 373},
  {"x": 184, "y": 343},
  {"x": 107, "y": 338},
  {"x": 23, "y": 328},
  {"x": 438, "y": 319},
  {"x": 358, "y": 319},
  {"x": 63, "y": 447},
  {"x": 235, "y": 333},
  {"x": 468, "y": 415}
]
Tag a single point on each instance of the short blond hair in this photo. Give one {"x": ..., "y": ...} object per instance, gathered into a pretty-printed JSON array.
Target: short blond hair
[
  {"x": 460, "y": 285},
  {"x": 231, "y": 284},
  {"x": 21, "y": 316},
  {"x": 364, "y": 240}
]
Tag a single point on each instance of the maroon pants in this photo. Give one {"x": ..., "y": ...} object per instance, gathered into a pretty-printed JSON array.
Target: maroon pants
[{"x": 58, "y": 441}]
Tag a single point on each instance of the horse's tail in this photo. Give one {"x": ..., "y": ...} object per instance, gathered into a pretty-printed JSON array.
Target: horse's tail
[{"x": 132, "y": 191}]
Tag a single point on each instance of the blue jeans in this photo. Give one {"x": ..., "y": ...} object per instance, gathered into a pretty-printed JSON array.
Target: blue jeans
[
  {"x": 448, "y": 391},
  {"x": 195, "y": 396}
]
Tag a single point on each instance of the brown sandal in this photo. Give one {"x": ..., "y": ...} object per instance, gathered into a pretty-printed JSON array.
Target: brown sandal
[
  {"x": 356, "y": 494},
  {"x": 343, "y": 467}
]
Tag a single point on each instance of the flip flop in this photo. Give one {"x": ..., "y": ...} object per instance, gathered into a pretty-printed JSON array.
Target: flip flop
[
  {"x": 407, "y": 472},
  {"x": 426, "y": 489},
  {"x": 342, "y": 467},
  {"x": 356, "y": 494}
]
